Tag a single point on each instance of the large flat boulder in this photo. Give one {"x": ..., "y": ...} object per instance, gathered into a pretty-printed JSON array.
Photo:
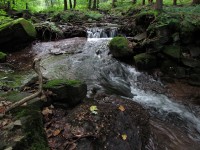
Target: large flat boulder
[{"x": 16, "y": 34}]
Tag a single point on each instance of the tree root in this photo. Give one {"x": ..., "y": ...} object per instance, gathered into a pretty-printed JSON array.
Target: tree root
[{"x": 36, "y": 67}]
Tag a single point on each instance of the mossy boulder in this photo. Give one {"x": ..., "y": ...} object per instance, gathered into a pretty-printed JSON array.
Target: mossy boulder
[
  {"x": 2, "y": 57},
  {"x": 145, "y": 61},
  {"x": 70, "y": 92},
  {"x": 120, "y": 47},
  {"x": 173, "y": 51},
  {"x": 16, "y": 33},
  {"x": 25, "y": 130}
]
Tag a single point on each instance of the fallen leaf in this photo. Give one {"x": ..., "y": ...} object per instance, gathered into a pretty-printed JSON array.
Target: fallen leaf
[
  {"x": 17, "y": 123},
  {"x": 56, "y": 132},
  {"x": 46, "y": 111},
  {"x": 93, "y": 109},
  {"x": 121, "y": 108},
  {"x": 124, "y": 137}
]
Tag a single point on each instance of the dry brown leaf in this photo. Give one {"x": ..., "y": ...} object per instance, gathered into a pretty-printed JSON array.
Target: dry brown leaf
[
  {"x": 121, "y": 108},
  {"x": 56, "y": 132},
  {"x": 46, "y": 111}
]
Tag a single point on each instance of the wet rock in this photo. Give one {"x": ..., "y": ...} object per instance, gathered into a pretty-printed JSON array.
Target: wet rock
[
  {"x": 194, "y": 79},
  {"x": 190, "y": 62},
  {"x": 145, "y": 61},
  {"x": 71, "y": 92},
  {"x": 2, "y": 57},
  {"x": 140, "y": 37},
  {"x": 194, "y": 51},
  {"x": 16, "y": 34},
  {"x": 173, "y": 51},
  {"x": 120, "y": 47},
  {"x": 74, "y": 31},
  {"x": 125, "y": 125}
]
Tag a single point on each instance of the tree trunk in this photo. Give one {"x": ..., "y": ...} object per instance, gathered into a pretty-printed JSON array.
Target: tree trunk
[
  {"x": 51, "y": 3},
  {"x": 196, "y": 2},
  {"x": 8, "y": 5},
  {"x": 74, "y": 4},
  {"x": 159, "y": 4},
  {"x": 134, "y": 1},
  {"x": 89, "y": 4},
  {"x": 97, "y": 3},
  {"x": 150, "y": 2},
  {"x": 70, "y": 4},
  {"x": 26, "y": 6},
  {"x": 143, "y": 2},
  {"x": 174, "y": 2},
  {"x": 94, "y": 5},
  {"x": 113, "y": 3},
  {"x": 65, "y": 4}
]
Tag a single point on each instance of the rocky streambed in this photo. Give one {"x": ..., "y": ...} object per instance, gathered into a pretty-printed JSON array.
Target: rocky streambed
[{"x": 123, "y": 106}]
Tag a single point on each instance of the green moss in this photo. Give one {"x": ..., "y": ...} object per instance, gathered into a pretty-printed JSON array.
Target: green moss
[
  {"x": 119, "y": 46},
  {"x": 28, "y": 27},
  {"x": 2, "y": 56},
  {"x": 32, "y": 126},
  {"x": 58, "y": 82},
  {"x": 145, "y": 61},
  {"x": 173, "y": 51}
]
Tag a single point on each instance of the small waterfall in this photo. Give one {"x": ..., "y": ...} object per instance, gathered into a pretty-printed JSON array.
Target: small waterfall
[{"x": 97, "y": 32}]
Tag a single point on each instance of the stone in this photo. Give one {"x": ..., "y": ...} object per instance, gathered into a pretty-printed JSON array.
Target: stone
[
  {"x": 190, "y": 62},
  {"x": 173, "y": 51},
  {"x": 120, "y": 47},
  {"x": 140, "y": 37},
  {"x": 119, "y": 124},
  {"x": 145, "y": 61},
  {"x": 194, "y": 51},
  {"x": 16, "y": 33},
  {"x": 70, "y": 92}
]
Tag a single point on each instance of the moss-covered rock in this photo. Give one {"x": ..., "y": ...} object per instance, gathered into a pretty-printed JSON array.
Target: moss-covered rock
[
  {"x": 119, "y": 47},
  {"x": 2, "y": 57},
  {"x": 145, "y": 61},
  {"x": 70, "y": 92},
  {"x": 25, "y": 130},
  {"x": 173, "y": 51},
  {"x": 15, "y": 33}
]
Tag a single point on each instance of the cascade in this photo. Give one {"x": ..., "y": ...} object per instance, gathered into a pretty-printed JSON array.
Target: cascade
[
  {"x": 103, "y": 32},
  {"x": 174, "y": 125}
]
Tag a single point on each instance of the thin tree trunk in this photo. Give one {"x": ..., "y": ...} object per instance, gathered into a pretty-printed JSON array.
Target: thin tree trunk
[
  {"x": 174, "y": 2},
  {"x": 89, "y": 4},
  {"x": 159, "y": 4},
  {"x": 143, "y": 2},
  {"x": 70, "y": 4},
  {"x": 65, "y": 4},
  {"x": 94, "y": 5},
  {"x": 74, "y": 4},
  {"x": 26, "y": 6},
  {"x": 97, "y": 3},
  {"x": 113, "y": 3}
]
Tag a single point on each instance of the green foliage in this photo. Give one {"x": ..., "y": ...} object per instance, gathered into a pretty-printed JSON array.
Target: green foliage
[
  {"x": 58, "y": 82},
  {"x": 28, "y": 27},
  {"x": 93, "y": 15},
  {"x": 2, "y": 55}
]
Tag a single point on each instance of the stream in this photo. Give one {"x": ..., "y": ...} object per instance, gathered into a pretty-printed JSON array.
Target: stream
[{"x": 173, "y": 125}]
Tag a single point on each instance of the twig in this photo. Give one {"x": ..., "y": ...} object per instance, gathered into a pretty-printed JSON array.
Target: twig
[{"x": 36, "y": 67}]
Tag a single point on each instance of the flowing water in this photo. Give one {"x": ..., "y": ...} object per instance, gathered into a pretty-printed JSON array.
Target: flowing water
[{"x": 173, "y": 125}]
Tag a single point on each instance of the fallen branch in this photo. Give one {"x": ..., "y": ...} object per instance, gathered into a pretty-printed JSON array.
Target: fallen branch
[{"x": 36, "y": 67}]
